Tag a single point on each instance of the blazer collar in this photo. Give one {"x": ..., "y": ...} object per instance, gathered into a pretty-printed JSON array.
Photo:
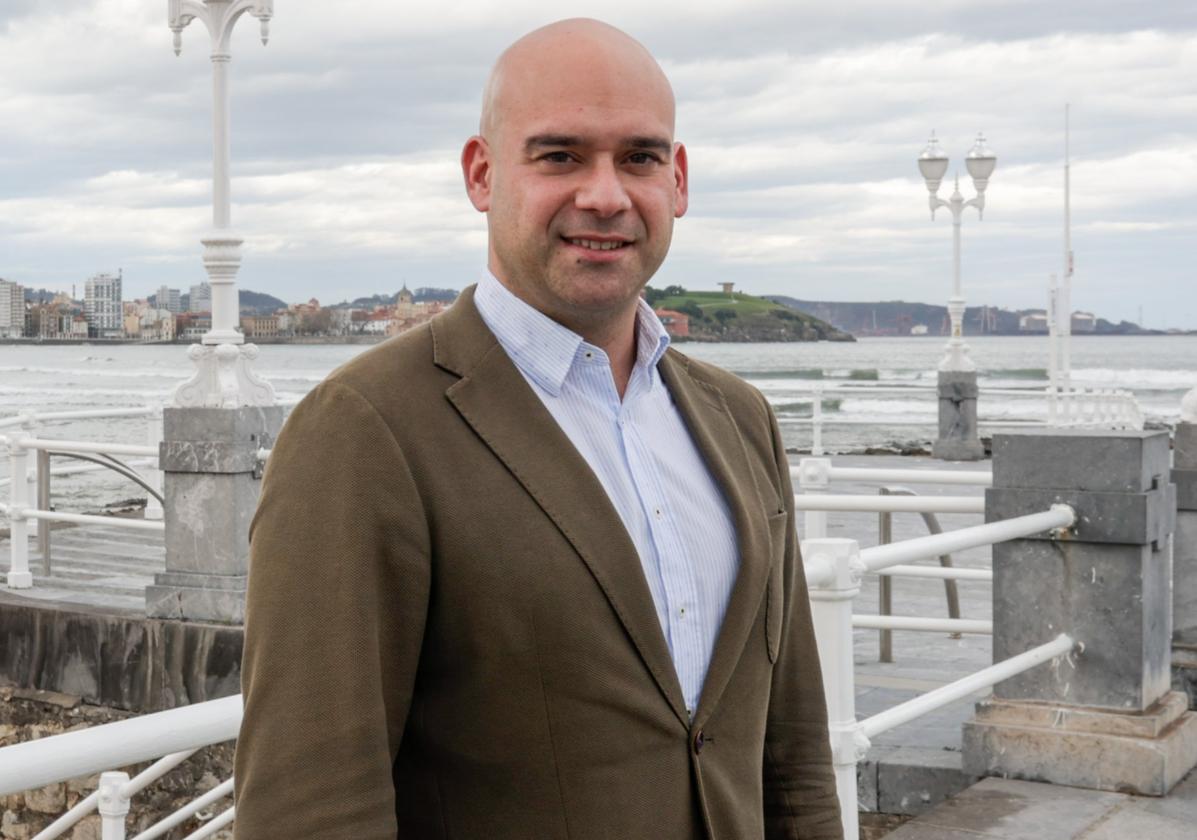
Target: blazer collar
[
  {"x": 704, "y": 408},
  {"x": 495, "y": 400}
]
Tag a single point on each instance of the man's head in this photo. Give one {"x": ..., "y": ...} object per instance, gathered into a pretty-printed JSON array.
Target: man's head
[{"x": 577, "y": 170}]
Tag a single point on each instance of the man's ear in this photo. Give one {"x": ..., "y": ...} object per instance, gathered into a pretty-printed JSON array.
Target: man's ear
[
  {"x": 681, "y": 175},
  {"x": 476, "y": 167}
]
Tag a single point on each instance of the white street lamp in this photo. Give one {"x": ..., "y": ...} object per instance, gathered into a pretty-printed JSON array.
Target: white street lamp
[
  {"x": 223, "y": 377},
  {"x": 933, "y": 164}
]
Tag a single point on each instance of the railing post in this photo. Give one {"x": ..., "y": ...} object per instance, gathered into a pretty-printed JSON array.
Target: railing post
[
  {"x": 816, "y": 422},
  {"x": 814, "y": 476},
  {"x": 113, "y": 805},
  {"x": 153, "y": 507},
  {"x": 19, "y": 576},
  {"x": 885, "y": 535},
  {"x": 1105, "y": 583},
  {"x": 831, "y": 614},
  {"x": 43, "y": 503}
]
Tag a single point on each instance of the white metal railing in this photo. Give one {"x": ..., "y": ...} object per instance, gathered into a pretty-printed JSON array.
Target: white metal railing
[
  {"x": 834, "y": 568},
  {"x": 1107, "y": 408},
  {"x": 29, "y": 489},
  {"x": 814, "y": 478},
  {"x": 171, "y": 737}
]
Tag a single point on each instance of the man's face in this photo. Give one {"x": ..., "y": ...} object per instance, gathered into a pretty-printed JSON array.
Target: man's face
[{"x": 582, "y": 183}]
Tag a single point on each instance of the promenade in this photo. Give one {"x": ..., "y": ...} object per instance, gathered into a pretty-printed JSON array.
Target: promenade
[{"x": 909, "y": 770}]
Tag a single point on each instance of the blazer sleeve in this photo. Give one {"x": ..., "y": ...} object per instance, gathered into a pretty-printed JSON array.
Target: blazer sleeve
[
  {"x": 338, "y": 594},
  {"x": 800, "y": 801}
]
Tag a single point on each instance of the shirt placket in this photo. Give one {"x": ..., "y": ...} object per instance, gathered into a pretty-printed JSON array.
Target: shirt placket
[{"x": 683, "y": 627}]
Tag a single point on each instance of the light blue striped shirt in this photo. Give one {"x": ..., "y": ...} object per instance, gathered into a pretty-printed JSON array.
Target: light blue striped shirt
[{"x": 643, "y": 455}]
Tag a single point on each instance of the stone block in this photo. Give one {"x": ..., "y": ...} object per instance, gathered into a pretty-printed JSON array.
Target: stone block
[
  {"x": 957, "y": 385},
  {"x": 218, "y": 599},
  {"x": 12, "y": 827},
  {"x": 1088, "y": 460},
  {"x": 89, "y": 828},
  {"x": 245, "y": 426},
  {"x": 1084, "y": 750},
  {"x": 122, "y": 662},
  {"x": 913, "y": 780},
  {"x": 1186, "y": 488},
  {"x": 1107, "y": 597},
  {"x": 866, "y": 780},
  {"x": 1184, "y": 671},
  {"x": 207, "y": 457},
  {"x": 1184, "y": 576},
  {"x": 1184, "y": 455},
  {"x": 207, "y": 522},
  {"x": 47, "y": 800},
  {"x": 958, "y": 439},
  {"x": 1127, "y": 518}
]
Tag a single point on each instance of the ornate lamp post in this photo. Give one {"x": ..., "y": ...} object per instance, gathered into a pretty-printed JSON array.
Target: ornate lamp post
[
  {"x": 223, "y": 377},
  {"x": 933, "y": 164},
  {"x": 224, "y": 414},
  {"x": 958, "y": 439}
]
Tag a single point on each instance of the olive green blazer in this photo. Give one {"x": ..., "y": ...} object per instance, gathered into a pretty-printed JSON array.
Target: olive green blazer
[{"x": 449, "y": 635}]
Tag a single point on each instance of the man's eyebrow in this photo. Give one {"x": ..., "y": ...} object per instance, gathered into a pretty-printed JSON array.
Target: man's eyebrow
[
  {"x": 540, "y": 141},
  {"x": 656, "y": 144}
]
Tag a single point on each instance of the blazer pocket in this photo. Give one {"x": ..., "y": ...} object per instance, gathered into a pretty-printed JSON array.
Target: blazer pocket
[{"x": 775, "y": 597}]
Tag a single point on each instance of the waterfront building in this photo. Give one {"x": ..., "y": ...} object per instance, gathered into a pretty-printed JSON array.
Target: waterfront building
[
  {"x": 1033, "y": 322},
  {"x": 157, "y": 325},
  {"x": 1084, "y": 322},
  {"x": 340, "y": 321},
  {"x": 378, "y": 323},
  {"x": 259, "y": 326},
  {"x": 169, "y": 299},
  {"x": 12, "y": 310},
  {"x": 405, "y": 307},
  {"x": 200, "y": 298},
  {"x": 677, "y": 324},
  {"x": 191, "y": 326},
  {"x": 102, "y": 306}
]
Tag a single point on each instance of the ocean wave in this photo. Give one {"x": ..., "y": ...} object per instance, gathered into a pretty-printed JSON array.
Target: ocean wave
[
  {"x": 804, "y": 408},
  {"x": 89, "y": 373},
  {"x": 1150, "y": 379}
]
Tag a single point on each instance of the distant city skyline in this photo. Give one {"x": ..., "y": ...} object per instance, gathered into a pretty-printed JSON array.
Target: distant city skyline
[{"x": 802, "y": 122}]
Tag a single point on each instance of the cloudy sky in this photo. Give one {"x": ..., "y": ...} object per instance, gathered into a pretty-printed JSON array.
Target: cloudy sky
[{"x": 803, "y": 121}]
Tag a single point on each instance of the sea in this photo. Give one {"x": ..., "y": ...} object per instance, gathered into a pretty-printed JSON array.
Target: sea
[{"x": 1158, "y": 370}]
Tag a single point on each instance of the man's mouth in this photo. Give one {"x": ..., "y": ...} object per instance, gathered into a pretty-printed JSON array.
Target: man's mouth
[{"x": 597, "y": 244}]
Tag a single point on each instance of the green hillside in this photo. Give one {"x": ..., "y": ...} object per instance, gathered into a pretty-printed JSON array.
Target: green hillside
[{"x": 715, "y": 316}]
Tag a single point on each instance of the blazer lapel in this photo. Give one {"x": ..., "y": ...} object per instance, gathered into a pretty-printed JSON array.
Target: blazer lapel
[
  {"x": 495, "y": 400},
  {"x": 705, "y": 411}
]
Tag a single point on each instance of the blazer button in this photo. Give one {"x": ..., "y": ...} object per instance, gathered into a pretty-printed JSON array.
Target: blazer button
[{"x": 699, "y": 741}]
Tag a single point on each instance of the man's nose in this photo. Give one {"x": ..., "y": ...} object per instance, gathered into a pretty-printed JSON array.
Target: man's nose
[{"x": 602, "y": 191}]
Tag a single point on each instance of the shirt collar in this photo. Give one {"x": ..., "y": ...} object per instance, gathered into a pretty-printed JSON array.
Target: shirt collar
[{"x": 545, "y": 350}]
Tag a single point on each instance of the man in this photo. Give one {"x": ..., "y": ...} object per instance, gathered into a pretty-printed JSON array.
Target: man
[{"x": 525, "y": 573}]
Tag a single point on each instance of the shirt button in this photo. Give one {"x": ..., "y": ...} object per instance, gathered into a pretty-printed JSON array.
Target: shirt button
[{"x": 699, "y": 741}]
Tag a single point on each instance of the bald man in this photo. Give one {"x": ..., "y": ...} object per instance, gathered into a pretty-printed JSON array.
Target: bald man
[{"x": 527, "y": 572}]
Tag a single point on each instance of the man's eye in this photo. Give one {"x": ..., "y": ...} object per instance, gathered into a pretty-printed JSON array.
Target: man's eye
[
  {"x": 556, "y": 157},
  {"x": 642, "y": 158}
]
